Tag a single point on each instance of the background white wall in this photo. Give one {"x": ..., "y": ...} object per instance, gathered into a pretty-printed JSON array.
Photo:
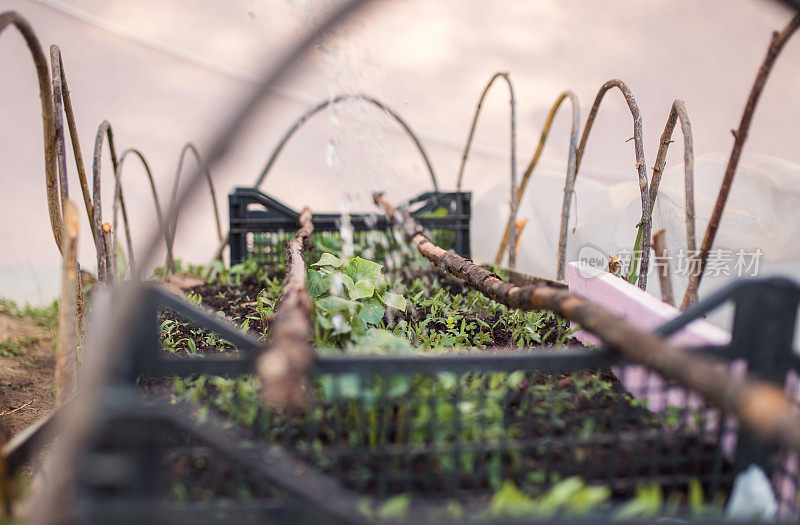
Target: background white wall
[{"x": 166, "y": 72}]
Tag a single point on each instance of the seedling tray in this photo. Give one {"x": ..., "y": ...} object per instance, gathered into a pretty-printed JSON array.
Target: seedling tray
[
  {"x": 440, "y": 429},
  {"x": 260, "y": 226}
]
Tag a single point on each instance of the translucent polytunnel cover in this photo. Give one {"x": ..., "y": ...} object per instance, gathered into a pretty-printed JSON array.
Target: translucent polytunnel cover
[{"x": 759, "y": 233}]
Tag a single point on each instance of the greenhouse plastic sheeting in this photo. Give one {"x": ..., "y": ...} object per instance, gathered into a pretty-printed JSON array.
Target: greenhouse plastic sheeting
[{"x": 759, "y": 232}]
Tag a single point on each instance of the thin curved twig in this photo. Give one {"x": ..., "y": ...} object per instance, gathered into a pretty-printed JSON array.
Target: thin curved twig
[
  {"x": 336, "y": 100},
  {"x": 48, "y": 118},
  {"x": 678, "y": 111},
  {"x": 173, "y": 227},
  {"x": 58, "y": 135},
  {"x": 61, "y": 89},
  {"x": 103, "y": 249},
  {"x": 641, "y": 166},
  {"x": 313, "y": 111},
  {"x": 159, "y": 215},
  {"x": 779, "y": 39},
  {"x": 570, "y": 180},
  {"x": 513, "y": 155}
]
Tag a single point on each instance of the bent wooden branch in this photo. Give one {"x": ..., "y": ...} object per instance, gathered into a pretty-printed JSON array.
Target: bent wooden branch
[
  {"x": 641, "y": 167},
  {"x": 568, "y": 185},
  {"x": 512, "y": 155},
  {"x": 63, "y": 102},
  {"x": 760, "y": 406},
  {"x": 341, "y": 98},
  {"x": 779, "y": 39},
  {"x": 285, "y": 364},
  {"x": 190, "y": 148},
  {"x": 103, "y": 249},
  {"x": 10, "y": 18},
  {"x": 119, "y": 204},
  {"x": 678, "y": 111}
]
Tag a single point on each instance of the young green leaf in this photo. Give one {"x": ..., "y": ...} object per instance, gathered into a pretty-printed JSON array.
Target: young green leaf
[
  {"x": 358, "y": 269},
  {"x": 338, "y": 280},
  {"x": 335, "y": 304},
  {"x": 371, "y": 311},
  {"x": 361, "y": 290},
  {"x": 328, "y": 259},
  {"x": 395, "y": 300},
  {"x": 318, "y": 283}
]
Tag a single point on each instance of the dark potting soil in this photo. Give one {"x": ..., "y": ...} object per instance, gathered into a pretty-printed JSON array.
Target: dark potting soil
[
  {"x": 577, "y": 442},
  {"x": 237, "y": 302},
  {"x": 602, "y": 435}
]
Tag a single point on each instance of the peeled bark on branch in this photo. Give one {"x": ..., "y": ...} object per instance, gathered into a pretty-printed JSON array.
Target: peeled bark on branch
[
  {"x": 284, "y": 366},
  {"x": 760, "y": 406}
]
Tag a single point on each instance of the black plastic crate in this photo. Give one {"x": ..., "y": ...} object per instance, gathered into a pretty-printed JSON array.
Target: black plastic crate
[
  {"x": 260, "y": 226},
  {"x": 459, "y": 434},
  {"x": 435, "y": 427}
]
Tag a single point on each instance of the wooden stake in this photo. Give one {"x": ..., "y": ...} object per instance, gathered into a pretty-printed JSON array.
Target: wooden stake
[
  {"x": 66, "y": 362},
  {"x": 761, "y": 407},
  {"x": 284, "y": 366},
  {"x": 662, "y": 265}
]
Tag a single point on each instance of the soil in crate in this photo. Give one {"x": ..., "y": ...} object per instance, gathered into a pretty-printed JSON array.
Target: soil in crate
[{"x": 548, "y": 425}]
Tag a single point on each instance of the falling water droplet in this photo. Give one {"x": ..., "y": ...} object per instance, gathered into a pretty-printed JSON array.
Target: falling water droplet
[
  {"x": 330, "y": 154},
  {"x": 339, "y": 323},
  {"x": 337, "y": 285},
  {"x": 346, "y": 228}
]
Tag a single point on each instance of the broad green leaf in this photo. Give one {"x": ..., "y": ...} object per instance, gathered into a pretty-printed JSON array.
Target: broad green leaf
[
  {"x": 328, "y": 259},
  {"x": 324, "y": 322},
  {"x": 335, "y": 304},
  {"x": 340, "y": 280},
  {"x": 371, "y": 311},
  {"x": 361, "y": 290},
  {"x": 395, "y": 300},
  {"x": 357, "y": 325},
  {"x": 318, "y": 283},
  {"x": 358, "y": 269}
]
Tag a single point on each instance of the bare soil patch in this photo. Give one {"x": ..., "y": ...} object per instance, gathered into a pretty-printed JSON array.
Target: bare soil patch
[{"x": 27, "y": 372}]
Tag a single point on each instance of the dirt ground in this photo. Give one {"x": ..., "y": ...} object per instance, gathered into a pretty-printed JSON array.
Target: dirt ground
[{"x": 27, "y": 363}]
